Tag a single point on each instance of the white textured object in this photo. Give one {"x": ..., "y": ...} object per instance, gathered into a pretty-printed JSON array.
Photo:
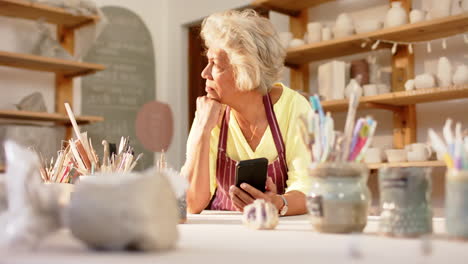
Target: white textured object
[
  {"x": 423, "y": 81},
  {"x": 444, "y": 72},
  {"x": 416, "y": 16},
  {"x": 461, "y": 75},
  {"x": 296, "y": 43},
  {"x": 396, "y": 16},
  {"x": 440, "y": 8},
  {"x": 126, "y": 211},
  {"x": 34, "y": 208},
  {"x": 260, "y": 215}
]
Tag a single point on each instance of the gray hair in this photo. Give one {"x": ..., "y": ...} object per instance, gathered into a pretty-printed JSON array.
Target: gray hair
[{"x": 252, "y": 45}]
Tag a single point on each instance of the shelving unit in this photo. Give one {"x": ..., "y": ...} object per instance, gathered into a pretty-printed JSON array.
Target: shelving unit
[
  {"x": 392, "y": 101},
  {"x": 65, "y": 70},
  {"x": 400, "y": 102},
  {"x": 47, "y": 117},
  {"x": 422, "y": 31},
  {"x": 34, "y": 11},
  {"x": 432, "y": 163}
]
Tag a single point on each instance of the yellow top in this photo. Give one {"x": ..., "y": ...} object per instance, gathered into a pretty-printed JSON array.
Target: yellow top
[{"x": 287, "y": 110}]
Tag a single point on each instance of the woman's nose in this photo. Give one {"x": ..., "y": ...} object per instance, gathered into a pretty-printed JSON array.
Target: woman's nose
[{"x": 206, "y": 73}]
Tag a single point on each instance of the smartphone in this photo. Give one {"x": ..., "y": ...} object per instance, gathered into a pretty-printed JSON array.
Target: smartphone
[{"x": 253, "y": 172}]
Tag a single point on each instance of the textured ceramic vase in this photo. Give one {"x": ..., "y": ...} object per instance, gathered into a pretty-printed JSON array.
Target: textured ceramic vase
[
  {"x": 461, "y": 75},
  {"x": 344, "y": 26},
  {"x": 396, "y": 16},
  {"x": 405, "y": 201},
  {"x": 444, "y": 72},
  {"x": 416, "y": 16}
]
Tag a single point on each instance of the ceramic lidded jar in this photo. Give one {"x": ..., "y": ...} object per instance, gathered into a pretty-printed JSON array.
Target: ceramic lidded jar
[
  {"x": 396, "y": 16},
  {"x": 456, "y": 203},
  {"x": 339, "y": 199},
  {"x": 405, "y": 201}
]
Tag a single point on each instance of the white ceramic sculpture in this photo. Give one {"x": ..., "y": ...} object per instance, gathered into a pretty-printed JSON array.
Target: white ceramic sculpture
[
  {"x": 344, "y": 26},
  {"x": 461, "y": 75},
  {"x": 396, "y": 15},
  {"x": 128, "y": 211},
  {"x": 440, "y": 8},
  {"x": 260, "y": 215},
  {"x": 326, "y": 34},
  {"x": 296, "y": 43},
  {"x": 416, "y": 16},
  {"x": 423, "y": 81},
  {"x": 285, "y": 38},
  {"x": 444, "y": 72},
  {"x": 409, "y": 85},
  {"x": 34, "y": 208}
]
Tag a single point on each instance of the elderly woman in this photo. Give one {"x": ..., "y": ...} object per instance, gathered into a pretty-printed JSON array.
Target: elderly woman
[{"x": 245, "y": 115}]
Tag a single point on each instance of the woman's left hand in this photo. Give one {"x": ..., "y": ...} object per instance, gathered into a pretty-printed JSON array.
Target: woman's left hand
[{"x": 247, "y": 194}]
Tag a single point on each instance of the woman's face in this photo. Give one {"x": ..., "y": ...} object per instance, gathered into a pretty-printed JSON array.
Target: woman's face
[{"x": 220, "y": 84}]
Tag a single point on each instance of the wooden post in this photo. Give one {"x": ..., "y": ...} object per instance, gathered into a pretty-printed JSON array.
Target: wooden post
[
  {"x": 63, "y": 84},
  {"x": 299, "y": 75},
  {"x": 404, "y": 122}
]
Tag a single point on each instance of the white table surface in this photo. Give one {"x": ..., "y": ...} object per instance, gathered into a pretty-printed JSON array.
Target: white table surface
[{"x": 220, "y": 237}]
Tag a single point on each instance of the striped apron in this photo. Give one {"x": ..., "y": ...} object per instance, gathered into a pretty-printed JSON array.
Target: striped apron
[{"x": 226, "y": 167}]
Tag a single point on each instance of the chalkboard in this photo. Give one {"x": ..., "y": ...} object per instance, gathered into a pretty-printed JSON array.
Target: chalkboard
[{"x": 125, "y": 47}]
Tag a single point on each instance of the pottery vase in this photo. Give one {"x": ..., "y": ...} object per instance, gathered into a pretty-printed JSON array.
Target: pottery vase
[
  {"x": 423, "y": 81},
  {"x": 461, "y": 75},
  {"x": 444, "y": 72},
  {"x": 416, "y": 16},
  {"x": 396, "y": 16},
  {"x": 344, "y": 26}
]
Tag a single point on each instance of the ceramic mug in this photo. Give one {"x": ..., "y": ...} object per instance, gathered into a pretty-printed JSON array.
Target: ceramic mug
[
  {"x": 418, "y": 152},
  {"x": 373, "y": 155},
  {"x": 396, "y": 155},
  {"x": 370, "y": 90}
]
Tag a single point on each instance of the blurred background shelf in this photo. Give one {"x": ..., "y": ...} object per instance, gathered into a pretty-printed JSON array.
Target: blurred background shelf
[
  {"x": 38, "y": 63},
  {"x": 35, "y": 11},
  {"x": 47, "y": 117},
  {"x": 431, "y": 163},
  {"x": 397, "y": 99},
  {"x": 288, "y": 7},
  {"x": 422, "y": 31},
  {"x": 2, "y": 168}
]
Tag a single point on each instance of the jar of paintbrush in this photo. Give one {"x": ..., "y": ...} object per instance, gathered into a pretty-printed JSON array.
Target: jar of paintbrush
[{"x": 339, "y": 198}]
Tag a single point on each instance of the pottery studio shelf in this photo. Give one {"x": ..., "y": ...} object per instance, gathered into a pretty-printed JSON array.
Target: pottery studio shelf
[
  {"x": 431, "y": 163},
  {"x": 392, "y": 101},
  {"x": 47, "y": 117},
  {"x": 288, "y": 7},
  {"x": 34, "y": 11},
  {"x": 38, "y": 63},
  {"x": 422, "y": 31}
]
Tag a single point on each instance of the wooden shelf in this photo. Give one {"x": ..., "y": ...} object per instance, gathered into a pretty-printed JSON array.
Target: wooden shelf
[
  {"x": 432, "y": 163},
  {"x": 394, "y": 100},
  {"x": 47, "y": 117},
  {"x": 422, "y": 31},
  {"x": 38, "y": 63},
  {"x": 34, "y": 11},
  {"x": 288, "y": 7}
]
